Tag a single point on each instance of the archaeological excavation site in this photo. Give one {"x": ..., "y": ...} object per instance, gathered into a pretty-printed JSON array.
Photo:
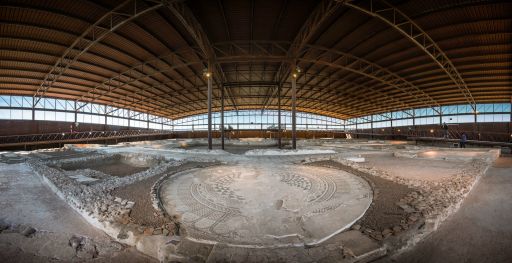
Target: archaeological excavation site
[{"x": 253, "y": 131}]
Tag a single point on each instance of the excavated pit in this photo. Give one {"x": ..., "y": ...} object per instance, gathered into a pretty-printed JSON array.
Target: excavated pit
[{"x": 116, "y": 165}]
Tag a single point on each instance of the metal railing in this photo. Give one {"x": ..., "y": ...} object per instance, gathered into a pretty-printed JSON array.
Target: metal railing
[{"x": 86, "y": 136}]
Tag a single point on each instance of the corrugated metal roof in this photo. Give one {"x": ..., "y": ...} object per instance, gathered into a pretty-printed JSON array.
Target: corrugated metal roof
[{"x": 475, "y": 35}]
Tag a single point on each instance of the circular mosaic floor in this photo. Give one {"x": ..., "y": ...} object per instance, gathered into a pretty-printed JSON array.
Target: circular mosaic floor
[{"x": 265, "y": 205}]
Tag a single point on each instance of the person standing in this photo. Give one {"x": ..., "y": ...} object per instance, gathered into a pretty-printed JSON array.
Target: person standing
[
  {"x": 445, "y": 130},
  {"x": 463, "y": 140}
]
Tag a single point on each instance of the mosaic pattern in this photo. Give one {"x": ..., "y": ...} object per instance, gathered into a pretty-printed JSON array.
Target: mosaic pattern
[{"x": 265, "y": 205}]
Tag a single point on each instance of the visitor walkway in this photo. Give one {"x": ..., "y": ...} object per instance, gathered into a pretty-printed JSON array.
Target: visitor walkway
[{"x": 28, "y": 141}]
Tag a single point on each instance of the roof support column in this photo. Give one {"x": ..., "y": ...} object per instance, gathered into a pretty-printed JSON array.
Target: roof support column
[
  {"x": 371, "y": 125},
  {"x": 476, "y": 131},
  {"x": 279, "y": 134},
  {"x": 76, "y": 113},
  {"x": 510, "y": 122},
  {"x": 208, "y": 76},
  {"x": 34, "y": 109},
  {"x": 222, "y": 117},
  {"x": 294, "y": 104},
  {"x": 105, "y": 118}
]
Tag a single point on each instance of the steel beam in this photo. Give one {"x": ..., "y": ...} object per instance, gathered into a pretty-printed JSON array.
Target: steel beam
[
  {"x": 210, "y": 146},
  {"x": 107, "y": 24},
  {"x": 222, "y": 135},
  {"x": 366, "y": 68},
  {"x": 294, "y": 106},
  {"x": 194, "y": 28},
  {"x": 399, "y": 21},
  {"x": 322, "y": 12},
  {"x": 276, "y": 50},
  {"x": 144, "y": 70},
  {"x": 279, "y": 133}
]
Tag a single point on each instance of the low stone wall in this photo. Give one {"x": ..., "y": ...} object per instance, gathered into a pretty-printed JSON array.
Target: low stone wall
[{"x": 105, "y": 211}]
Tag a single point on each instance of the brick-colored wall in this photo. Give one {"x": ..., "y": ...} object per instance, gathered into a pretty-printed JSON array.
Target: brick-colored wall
[
  {"x": 495, "y": 131},
  {"x": 21, "y": 127},
  {"x": 261, "y": 134},
  {"x": 482, "y": 131}
]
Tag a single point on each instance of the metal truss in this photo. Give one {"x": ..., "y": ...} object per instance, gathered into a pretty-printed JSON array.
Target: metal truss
[
  {"x": 194, "y": 28},
  {"x": 71, "y": 137},
  {"x": 322, "y": 12},
  {"x": 143, "y": 70},
  {"x": 341, "y": 86},
  {"x": 277, "y": 51},
  {"x": 108, "y": 23},
  {"x": 389, "y": 14},
  {"x": 338, "y": 59}
]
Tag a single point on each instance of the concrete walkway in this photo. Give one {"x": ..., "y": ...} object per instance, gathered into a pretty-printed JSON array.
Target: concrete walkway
[{"x": 481, "y": 231}]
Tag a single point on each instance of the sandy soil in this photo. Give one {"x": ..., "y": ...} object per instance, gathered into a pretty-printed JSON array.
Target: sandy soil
[{"x": 383, "y": 213}]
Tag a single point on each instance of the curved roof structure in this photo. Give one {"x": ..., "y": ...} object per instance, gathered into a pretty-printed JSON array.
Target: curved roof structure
[{"x": 356, "y": 57}]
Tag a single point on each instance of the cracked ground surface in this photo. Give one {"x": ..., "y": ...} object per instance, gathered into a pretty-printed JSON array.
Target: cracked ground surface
[{"x": 26, "y": 200}]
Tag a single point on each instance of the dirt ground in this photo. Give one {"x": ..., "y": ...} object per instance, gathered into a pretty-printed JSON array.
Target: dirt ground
[
  {"x": 143, "y": 212},
  {"x": 113, "y": 167},
  {"x": 383, "y": 212}
]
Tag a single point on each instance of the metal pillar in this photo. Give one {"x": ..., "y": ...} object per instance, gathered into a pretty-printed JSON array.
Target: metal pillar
[
  {"x": 392, "y": 129},
  {"x": 414, "y": 124},
  {"x": 371, "y": 125},
  {"x": 105, "y": 116},
  {"x": 475, "y": 126},
  {"x": 222, "y": 117},
  {"x": 294, "y": 117},
  {"x": 510, "y": 122},
  {"x": 34, "y": 108},
  {"x": 76, "y": 114},
  {"x": 279, "y": 135},
  {"x": 209, "y": 107},
  {"x": 237, "y": 124},
  {"x": 147, "y": 123}
]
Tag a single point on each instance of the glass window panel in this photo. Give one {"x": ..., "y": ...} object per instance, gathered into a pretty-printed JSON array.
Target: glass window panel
[
  {"x": 506, "y": 107},
  {"x": 5, "y": 114},
  {"x": 49, "y": 115},
  {"x": 39, "y": 115},
  {"x": 60, "y": 104},
  {"x": 70, "y": 117},
  {"x": 60, "y": 116},
  {"x": 49, "y": 104},
  {"x": 5, "y": 101},
  {"x": 16, "y": 101},
  {"x": 16, "y": 115}
]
